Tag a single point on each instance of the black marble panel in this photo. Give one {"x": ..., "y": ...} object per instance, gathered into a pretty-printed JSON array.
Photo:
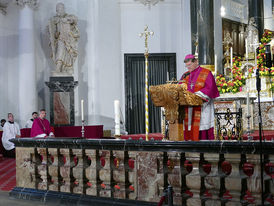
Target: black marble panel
[
  {"x": 256, "y": 10},
  {"x": 61, "y": 198},
  {"x": 205, "y": 25},
  {"x": 233, "y": 146},
  {"x": 193, "y": 19}
]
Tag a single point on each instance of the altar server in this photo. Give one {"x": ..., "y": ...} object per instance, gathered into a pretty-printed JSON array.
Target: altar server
[{"x": 11, "y": 130}]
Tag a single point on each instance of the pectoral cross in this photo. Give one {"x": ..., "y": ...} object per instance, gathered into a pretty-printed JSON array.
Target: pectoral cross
[{"x": 191, "y": 85}]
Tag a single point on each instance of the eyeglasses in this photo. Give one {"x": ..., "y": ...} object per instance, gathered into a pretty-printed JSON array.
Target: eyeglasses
[{"x": 189, "y": 64}]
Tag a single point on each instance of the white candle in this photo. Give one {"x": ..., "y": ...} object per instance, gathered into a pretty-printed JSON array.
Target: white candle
[
  {"x": 117, "y": 117},
  {"x": 255, "y": 52},
  {"x": 82, "y": 109},
  {"x": 246, "y": 50},
  {"x": 247, "y": 103},
  {"x": 231, "y": 61},
  {"x": 231, "y": 57},
  {"x": 215, "y": 64}
]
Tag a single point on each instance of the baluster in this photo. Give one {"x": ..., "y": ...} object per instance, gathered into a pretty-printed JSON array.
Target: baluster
[
  {"x": 53, "y": 169},
  {"x": 212, "y": 179},
  {"x": 174, "y": 175},
  {"x": 160, "y": 175},
  {"x": 118, "y": 170},
  {"x": 42, "y": 169},
  {"x": 193, "y": 179},
  {"x": 105, "y": 174},
  {"x": 253, "y": 193},
  {"x": 92, "y": 172},
  {"x": 25, "y": 167},
  {"x": 233, "y": 183},
  {"x": 78, "y": 171},
  {"x": 66, "y": 170},
  {"x": 146, "y": 165},
  {"x": 132, "y": 175},
  {"x": 270, "y": 176}
]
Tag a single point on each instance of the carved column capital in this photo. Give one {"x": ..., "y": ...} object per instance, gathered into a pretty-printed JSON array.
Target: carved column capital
[
  {"x": 149, "y": 2},
  {"x": 33, "y": 4},
  {"x": 3, "y": 6}
]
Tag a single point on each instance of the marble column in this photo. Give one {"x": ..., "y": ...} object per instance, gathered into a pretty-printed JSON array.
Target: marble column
[
  {"x": 256, "y": 10},
  {"x": 205, "y": 26},
  {"x": 193, "y": 19},
  {"x": 26, "y": 70},
  {"x": 218, "y": 37}
]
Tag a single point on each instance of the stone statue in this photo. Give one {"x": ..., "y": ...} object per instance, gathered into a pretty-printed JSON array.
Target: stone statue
[
  {"x": 252, "y": 35},
  {"x": 64, "y": 36}
]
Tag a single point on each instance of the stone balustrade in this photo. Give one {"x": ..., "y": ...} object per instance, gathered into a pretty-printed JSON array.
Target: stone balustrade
[{"x": 201, "y": 173}]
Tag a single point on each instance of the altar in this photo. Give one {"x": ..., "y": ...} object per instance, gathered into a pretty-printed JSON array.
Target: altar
[
  {"x": 137, "y": 172},
  {"x": 239, "y": 100}
]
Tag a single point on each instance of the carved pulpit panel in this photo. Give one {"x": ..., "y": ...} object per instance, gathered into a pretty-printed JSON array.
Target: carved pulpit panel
[{"x": 173, "y": 97}]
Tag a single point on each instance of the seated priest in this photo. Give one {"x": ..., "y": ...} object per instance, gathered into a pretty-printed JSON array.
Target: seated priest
[
  {"x": 41, "y": 127},
  {"x": 199, "y": 120},
  {"x": 10, "y": 130},
  {"x": 30, "y": 121}
]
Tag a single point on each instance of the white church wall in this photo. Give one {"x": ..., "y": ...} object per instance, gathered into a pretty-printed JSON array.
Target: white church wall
[
  {"x": 170, "y": 22},
  {"x": 9, "y": 63},
  {"x": 98, "y": 66},
  {"x": 108, "y": 29},
  {"x": 104, "y": 64}
]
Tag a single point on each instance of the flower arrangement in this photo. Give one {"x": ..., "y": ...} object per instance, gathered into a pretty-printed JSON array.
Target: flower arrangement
[
  {"x": 238, "y": 79},
  {"x": 264, "y": 71},
  {"x": 272, "y": 78}
]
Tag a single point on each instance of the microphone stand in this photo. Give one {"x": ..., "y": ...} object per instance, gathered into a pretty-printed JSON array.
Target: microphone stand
[{"x": 258, "y": 85}]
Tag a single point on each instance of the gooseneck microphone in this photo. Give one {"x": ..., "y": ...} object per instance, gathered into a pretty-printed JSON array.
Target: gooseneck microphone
[{"x": 258, "y": 80}]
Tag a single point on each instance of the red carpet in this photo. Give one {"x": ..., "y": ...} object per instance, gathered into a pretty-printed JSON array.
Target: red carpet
[{"x": 7, "y": 174}]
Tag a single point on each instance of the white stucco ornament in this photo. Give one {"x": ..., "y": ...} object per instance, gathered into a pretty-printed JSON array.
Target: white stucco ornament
[
  {"x": 149, "y": 2},
  {"x": 3, "y": 6},
  {"x": 31, "y": 3}
]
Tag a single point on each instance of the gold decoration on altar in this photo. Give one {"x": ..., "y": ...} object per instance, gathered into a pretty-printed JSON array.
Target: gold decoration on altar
[{"x": 228, "y": 42}]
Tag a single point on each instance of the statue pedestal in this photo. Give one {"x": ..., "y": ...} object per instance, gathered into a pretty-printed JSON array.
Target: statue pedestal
[{"x": 62, "y": 100}]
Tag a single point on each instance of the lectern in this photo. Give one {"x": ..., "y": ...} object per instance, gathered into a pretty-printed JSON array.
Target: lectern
[{"x": 174, "y": 97}]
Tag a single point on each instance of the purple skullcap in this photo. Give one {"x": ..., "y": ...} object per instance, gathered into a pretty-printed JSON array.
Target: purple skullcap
[{"x": 189, "y": 56}]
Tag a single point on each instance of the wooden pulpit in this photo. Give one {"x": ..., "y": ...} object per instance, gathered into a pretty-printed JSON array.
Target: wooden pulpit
[{"x": 174, "y": 97}]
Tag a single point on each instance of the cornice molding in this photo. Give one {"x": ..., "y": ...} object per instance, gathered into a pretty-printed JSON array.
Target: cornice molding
[{"x": 3, "y": 6}]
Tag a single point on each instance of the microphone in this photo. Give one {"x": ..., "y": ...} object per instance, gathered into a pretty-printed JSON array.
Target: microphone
[
  {"x": 258, "y": 80},
  {"x": 185, "y": 75}
]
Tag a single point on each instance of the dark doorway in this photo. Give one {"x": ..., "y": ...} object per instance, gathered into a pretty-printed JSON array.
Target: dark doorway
[{"x": 162, "y": 67}]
